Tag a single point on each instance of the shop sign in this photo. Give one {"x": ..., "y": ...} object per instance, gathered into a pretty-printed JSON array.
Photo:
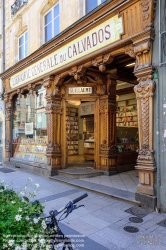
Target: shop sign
[
  {"x": 80, "y": 90},
  {"x": 93, "y": 40}
]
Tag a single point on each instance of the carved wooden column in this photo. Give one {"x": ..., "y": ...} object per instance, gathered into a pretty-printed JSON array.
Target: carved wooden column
[
  {"x": 144, "y": 94},
  {"x": 53, "y": 112},
  {"x": 8, "y": 125},
  {"x": 145, "y": 162},
  {"x": 107, "y": 113}
]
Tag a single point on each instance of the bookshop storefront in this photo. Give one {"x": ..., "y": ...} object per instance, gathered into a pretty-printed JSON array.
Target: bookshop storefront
[{"x": 89, "y": 100}]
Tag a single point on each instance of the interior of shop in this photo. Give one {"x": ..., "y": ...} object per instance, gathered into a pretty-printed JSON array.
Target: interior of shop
[
  {"x": 126, "y": 127},
  {"x": 80, "y": 132}
]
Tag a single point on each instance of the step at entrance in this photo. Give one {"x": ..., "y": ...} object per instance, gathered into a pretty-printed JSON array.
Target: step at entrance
[{"x": 78, "y": 173}]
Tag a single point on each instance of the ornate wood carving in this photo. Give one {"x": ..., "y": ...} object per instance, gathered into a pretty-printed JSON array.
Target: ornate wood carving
[
  {"x": 53, "y": 112},
  {"x": 143, "y": 55},
  {"x": 129, "y": 50},
  {"x": 148, "y": 12},
  {"x": 101, "y": 61},
  {"x": 144, "y": 93},
  {"x": 107, "y": 112},
  {"x": 8, "y": 100},
  {"x": 78, "y": 72}
]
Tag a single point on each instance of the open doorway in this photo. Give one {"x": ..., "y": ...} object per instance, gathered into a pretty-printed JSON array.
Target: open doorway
[{"x": 80, "y": 140}]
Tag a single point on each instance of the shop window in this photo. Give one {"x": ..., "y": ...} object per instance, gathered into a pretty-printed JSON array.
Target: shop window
[
  {"x": 41, "y": 100},
  {"x": 29, "y": 128},
  {"x": 51, "y": 23},
  {"x": 90, "y": 5},
  {"x": 23, "y": 46},
  {"x": 27, "y": 101},
  {"x": 18, "y": 101}
]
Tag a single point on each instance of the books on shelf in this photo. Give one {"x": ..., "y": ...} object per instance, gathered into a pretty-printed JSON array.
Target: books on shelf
[
  {"x": 72, "y": 130},
  {"x": 126, "y": 116}
]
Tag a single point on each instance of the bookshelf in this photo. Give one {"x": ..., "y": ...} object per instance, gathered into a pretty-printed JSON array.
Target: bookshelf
[
  {"x": 127, "y": 132},
  {"x": 72, "y": 130},
  {"x": 126, "y": 114}
]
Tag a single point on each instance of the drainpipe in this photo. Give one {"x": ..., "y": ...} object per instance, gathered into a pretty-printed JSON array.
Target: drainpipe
[
  {"x": 3, "y": 69},
  {"x": 158, "y": 109},
  {"x": 158, "y": 153},
  {"x": 159, "y": 35},
  {"x": 3, "y": 35}
]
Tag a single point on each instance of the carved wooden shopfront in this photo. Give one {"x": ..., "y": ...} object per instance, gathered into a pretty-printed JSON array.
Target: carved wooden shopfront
[{"x": 99, "y": 69}]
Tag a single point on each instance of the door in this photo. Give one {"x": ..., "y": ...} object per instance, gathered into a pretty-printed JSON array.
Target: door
[{"x": 77, "y": 144}]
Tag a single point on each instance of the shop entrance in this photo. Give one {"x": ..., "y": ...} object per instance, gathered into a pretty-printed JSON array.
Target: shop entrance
[{"x": 80, "y": 134}]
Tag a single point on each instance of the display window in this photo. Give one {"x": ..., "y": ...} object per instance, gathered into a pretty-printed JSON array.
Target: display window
[{"x": 29, "y": 126}]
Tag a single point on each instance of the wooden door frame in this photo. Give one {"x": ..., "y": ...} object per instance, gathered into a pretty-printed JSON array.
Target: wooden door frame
[{"x": 94, "y": 99}]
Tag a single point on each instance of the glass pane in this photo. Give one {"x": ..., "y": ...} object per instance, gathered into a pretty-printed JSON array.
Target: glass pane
[
  {"x": 48, "y": 17},
  {"x": 26, "y": 48},
  {"x": 21, "y": 52},
  {"x": 29, "y": 128},
  {"x": 44, "y": 121},
  {"x": 90, "y": 5},
  {"x": 21, "y": 40},
  {"x": 48, "y": 32},
  {"x": 56, "y": 10},
  {"x": 56, "y": 26},
  {"x": 26, "y": 36}
]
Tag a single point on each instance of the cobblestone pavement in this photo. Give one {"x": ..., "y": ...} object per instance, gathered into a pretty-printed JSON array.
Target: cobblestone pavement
[{"x": 100, "y": 224}]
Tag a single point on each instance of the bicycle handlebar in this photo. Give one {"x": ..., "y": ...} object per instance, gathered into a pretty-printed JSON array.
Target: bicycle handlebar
[
  {"x": 74, "y": 201},
  {"x": 80, "y": 198}
]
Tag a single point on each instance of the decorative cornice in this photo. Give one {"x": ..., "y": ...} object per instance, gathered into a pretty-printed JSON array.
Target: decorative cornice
[{"x": 129, "y": 50}]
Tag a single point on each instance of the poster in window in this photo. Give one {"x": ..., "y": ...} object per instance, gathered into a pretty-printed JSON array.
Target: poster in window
[{"x": 29, "y": 128}]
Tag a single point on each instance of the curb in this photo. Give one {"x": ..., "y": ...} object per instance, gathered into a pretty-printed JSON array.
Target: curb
[{"x": 95, "y": 190}]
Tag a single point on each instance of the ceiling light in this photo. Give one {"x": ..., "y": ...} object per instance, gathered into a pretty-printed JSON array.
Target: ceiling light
[
  {"x": 129, "y": 65},
  {"x": 75, "y": 103}
]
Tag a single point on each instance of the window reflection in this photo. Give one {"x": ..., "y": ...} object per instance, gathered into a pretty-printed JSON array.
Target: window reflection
[
  {"x": 51, "y": 23},
  {"x": 92, "y": 4},
  {"x": 30, "y": 127},
  {"x": 23, "y": 46}
]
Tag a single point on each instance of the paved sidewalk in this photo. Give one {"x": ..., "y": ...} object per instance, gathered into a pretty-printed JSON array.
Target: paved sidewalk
[{"x": 100, "y": 224}]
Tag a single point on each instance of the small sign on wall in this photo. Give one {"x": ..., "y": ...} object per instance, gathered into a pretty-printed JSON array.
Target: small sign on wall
[
  {"x": 80, "y": 90},
  {"x": 87, "y": 108},
  {"x": 29, "y": 128}
]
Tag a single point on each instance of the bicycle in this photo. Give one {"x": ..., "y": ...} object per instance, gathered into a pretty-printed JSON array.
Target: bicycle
[{"x": 56, "y": 234}]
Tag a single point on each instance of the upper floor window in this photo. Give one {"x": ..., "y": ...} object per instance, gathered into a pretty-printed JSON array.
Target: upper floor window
[
  {"x": 51, "y": 23},
  {"x": 23, "y": 46},
  {"x": 92, "y": 4}
]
